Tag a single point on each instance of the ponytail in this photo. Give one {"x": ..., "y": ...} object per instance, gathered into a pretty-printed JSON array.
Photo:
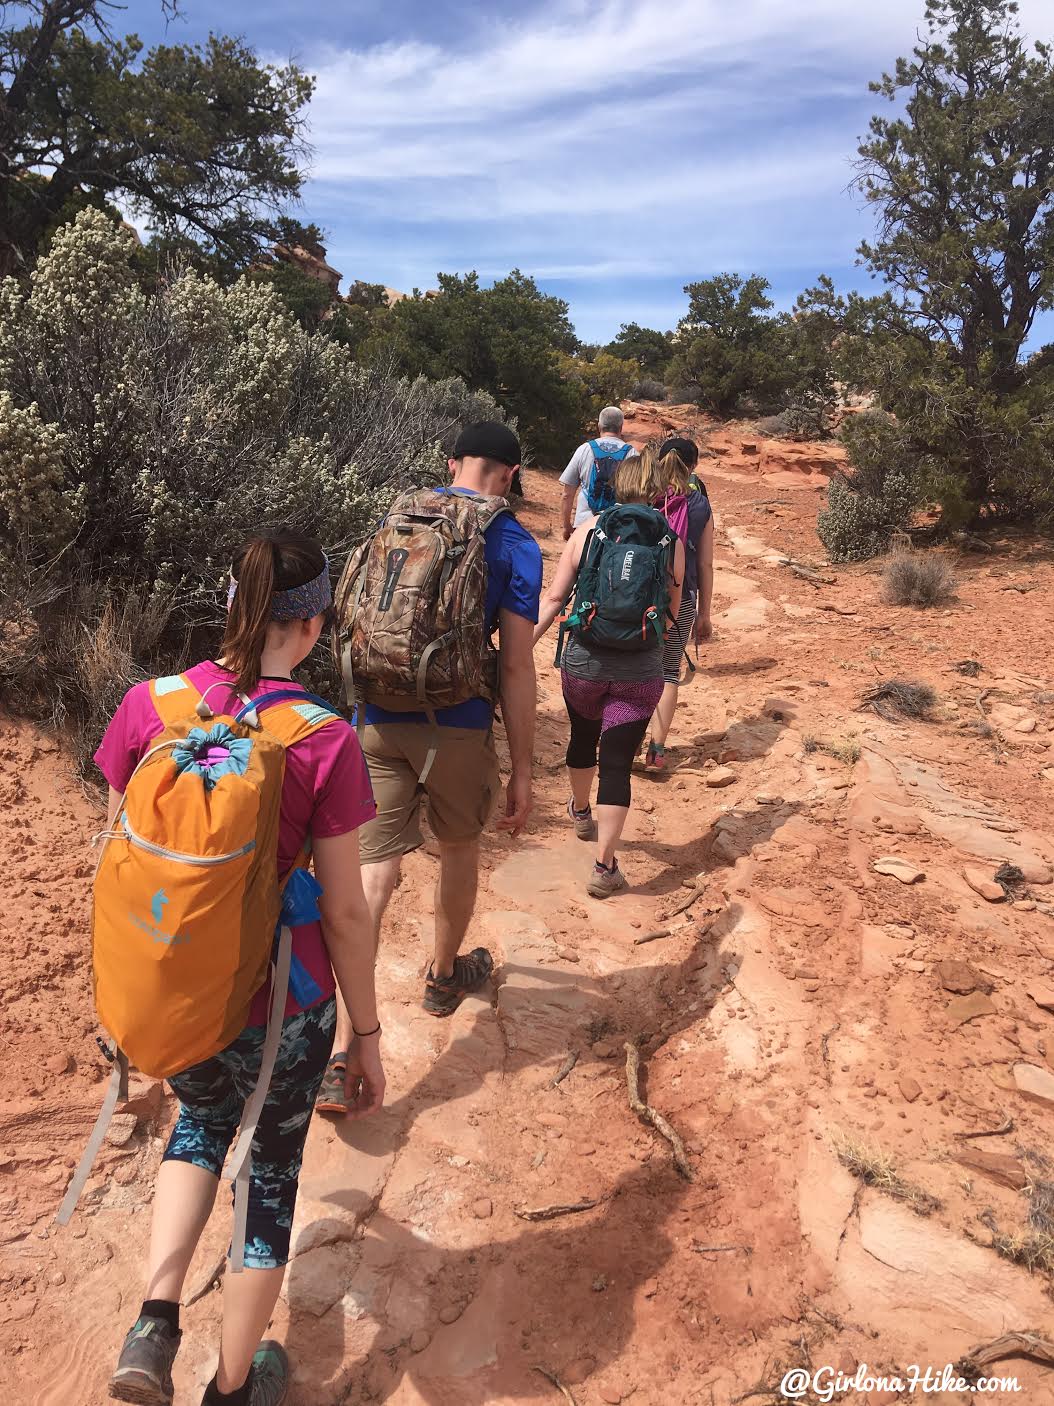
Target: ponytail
[
  {"x": 273, "y": 561},
  {"x": 250, "y": 612},
  {"x": 675, "y": 471}
]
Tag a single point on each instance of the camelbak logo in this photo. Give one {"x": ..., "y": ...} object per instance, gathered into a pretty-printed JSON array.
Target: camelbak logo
[
  {"x": 397, "y": 559},
  {"x": 627, "y": 566}
]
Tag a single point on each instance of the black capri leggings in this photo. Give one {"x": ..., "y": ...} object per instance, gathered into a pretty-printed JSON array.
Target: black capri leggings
[{"x": 609, "y": 720}]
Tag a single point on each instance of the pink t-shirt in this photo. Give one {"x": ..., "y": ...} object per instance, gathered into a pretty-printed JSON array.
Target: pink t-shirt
[{"x": 326, "y": 791}]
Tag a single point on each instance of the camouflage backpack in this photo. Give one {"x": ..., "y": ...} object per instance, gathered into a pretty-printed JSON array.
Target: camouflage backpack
[{"x": 410, "y": 632}]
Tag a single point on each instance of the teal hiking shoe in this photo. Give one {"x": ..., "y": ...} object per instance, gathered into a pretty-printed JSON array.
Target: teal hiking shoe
[
  {"x": 144, "y": 1368},
  {"x": 268, "y": 1377}
]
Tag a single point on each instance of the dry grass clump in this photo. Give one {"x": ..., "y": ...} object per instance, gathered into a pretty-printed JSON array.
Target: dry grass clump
[
  {"x": 1033, "y": 1249},
  {"x": 1041, "y": 1206},
  {"x": 1011, "y": 879},
  {"x": 877, "y": 1169},
  {"x": 843, "y": 749},
  {"x": 918, "y": 578},
  {"x": 894, "y": 699}
]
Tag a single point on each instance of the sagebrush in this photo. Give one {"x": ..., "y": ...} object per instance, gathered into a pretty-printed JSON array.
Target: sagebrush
[
  {"x": 143, "y": 433},
  {"x": 867, "y": 506},
  {"x": 922, "y": 579}
]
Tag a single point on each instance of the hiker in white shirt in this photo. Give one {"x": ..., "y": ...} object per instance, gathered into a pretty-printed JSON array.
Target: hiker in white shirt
[{"x": 576, "y": 477}]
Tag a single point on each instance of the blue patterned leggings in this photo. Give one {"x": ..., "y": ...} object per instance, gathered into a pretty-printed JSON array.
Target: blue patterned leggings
[{"x": 212, "y": 1095}]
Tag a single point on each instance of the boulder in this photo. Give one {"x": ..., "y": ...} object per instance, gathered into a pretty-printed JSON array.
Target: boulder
[
  {"x": 1034, "y": 1082},
  {"x": 982, "y": 883},
  {"x": 997, "y": 1166},
  {"x": 960, "y": 978},
  {"x": 898, "y": 868}
]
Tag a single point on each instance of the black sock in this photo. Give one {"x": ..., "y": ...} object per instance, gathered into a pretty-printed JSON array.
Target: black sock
[
  {"x": 241, "y": 1397},
  {"x": 163, "y": 1309}
]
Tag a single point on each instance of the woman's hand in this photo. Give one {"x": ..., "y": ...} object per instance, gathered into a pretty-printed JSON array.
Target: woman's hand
[
  {"x": 364, "y": 1082},
  {"x": 704, "y": 631}
]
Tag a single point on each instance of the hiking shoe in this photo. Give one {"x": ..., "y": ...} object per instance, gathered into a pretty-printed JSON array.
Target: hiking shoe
[
  {"x": 443, "y": 994},
  {"x": 270, "y": 1376},
  {"x": 585, "y": 825},
  {"x": 655, "y": 757},
  {"x": 331, "y": 1097},
  {"x": 144, "y": 1368},
  {"x": 603, "y": 882}
]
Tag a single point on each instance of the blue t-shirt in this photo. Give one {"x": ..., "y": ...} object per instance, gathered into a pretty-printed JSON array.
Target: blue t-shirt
[{"x": 514, "y": 582}]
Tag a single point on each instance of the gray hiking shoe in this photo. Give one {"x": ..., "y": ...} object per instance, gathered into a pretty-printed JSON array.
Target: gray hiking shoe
[
  {"x": 603, "y": 882},
  {"x": 585, "y": 825},
  {"x": 144, "y": 1368}
]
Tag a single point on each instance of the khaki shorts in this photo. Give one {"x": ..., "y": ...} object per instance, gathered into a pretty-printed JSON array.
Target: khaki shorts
[{"x": 462, "y": 788}]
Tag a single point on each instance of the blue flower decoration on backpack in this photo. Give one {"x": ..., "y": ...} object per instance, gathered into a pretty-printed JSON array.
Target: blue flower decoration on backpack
[{"x": 210, "y": 755}]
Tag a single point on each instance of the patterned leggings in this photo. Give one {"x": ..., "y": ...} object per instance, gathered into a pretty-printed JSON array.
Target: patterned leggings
[
  {"x": 212, "y": 1095},
  {"x": 610, "y": 719}
]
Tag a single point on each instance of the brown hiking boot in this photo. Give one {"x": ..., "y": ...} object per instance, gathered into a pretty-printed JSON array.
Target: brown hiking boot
[{"x": 443, "y": 994}]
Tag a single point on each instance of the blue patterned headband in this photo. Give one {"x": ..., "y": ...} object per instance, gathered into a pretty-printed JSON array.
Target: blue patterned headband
[{"x": 300, "y": 602}]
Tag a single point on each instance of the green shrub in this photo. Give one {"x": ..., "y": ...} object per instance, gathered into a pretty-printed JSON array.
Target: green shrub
[
  {"x": 876, "y": 497},
  {"x": 797, "y": 422},
  {"x": 648, "y": 390},
  {"x": 143, "y": 434}
]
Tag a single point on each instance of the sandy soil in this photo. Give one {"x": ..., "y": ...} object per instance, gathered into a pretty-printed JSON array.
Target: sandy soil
[{"x": 813, "y": 1004}]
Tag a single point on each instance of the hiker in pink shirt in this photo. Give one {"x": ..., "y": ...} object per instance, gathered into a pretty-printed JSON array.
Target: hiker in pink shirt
[{"x": 279, "y": 598}]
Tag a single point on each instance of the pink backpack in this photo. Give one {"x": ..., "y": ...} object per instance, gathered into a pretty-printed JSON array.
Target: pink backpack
[{"x": 674, "y": 508}]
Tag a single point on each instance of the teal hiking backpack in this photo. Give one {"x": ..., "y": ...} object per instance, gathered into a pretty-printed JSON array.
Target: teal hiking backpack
[
  {"x": 621, "y": 596},
  {"x": 600, "y": 489}
]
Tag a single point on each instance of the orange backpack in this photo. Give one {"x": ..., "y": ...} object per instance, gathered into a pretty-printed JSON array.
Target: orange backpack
[{"x": 187, "y": 911}]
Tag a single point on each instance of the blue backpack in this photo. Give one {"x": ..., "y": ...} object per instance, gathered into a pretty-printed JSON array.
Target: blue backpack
[{"x": 600, "y": 492}]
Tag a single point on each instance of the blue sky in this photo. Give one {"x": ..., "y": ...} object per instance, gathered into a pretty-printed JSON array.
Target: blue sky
[{"x": 615, "y": 149}]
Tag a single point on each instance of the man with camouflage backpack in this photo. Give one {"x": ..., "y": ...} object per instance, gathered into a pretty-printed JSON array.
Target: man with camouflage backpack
[{"x": 416, "y": 608}]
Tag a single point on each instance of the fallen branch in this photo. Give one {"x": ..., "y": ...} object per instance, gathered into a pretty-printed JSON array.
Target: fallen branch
[
  {"x": 825, "y": 1052},
  {"x": 1024, "y": 1344},
  {"x": 806, "y": 573},
  {"x": 693, "y": 896},
  {"x": 651, "y": 936},
  {"x": 721, "y": 1249},
  {"x": 555, "y": 1381},
  {"x": 565, "y": 1069},
  {"x": 555, "y": 1212},
  {"x": 209, "y": 1282},
  {"x": 1008, "y": 1127},
  {"x": 650, "y": 1115}
]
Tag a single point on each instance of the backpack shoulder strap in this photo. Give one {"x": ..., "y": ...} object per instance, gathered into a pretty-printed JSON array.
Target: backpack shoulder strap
[
  {"x": 488, "y": 508},
  {"x": 116, "y": 1092},
  {"x": 173, "y": 697},
  {"x": 594, "y": 446},
  {"x": 290, "y": 714}
]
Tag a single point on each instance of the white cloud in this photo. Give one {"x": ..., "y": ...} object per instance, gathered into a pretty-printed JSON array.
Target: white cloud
[{"x": 602, "y": 140}]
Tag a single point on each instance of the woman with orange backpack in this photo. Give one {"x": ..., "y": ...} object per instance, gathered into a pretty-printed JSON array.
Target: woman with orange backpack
[
  {"x": 267, "y": 756},
  {"x": 687, "y": 507}
]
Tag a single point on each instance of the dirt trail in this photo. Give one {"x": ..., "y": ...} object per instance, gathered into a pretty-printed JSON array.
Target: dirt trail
[{"x": 815, "y": 1007}]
